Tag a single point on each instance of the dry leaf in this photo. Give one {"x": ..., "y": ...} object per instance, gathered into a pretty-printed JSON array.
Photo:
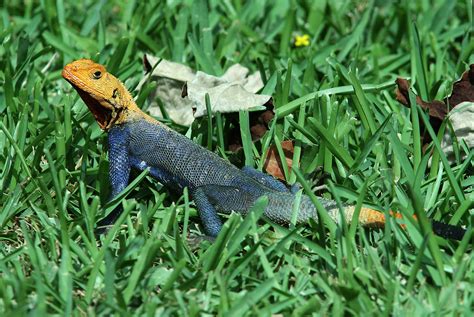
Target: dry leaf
[
  {"x": 462, "y": 122},
  {"x": 183, "y": 91},
  {"x": 437, "y": 109},
  {"x": 273, "y": 164},
  {"x": 463, "y": 89},
  {"x": 224, "y": 96},
  {"x": 170, "y": 78},
  {"x": 258, "y": 121}
]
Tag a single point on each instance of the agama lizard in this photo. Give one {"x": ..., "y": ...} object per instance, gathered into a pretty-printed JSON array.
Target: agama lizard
[{"x": 138, "y": 141}]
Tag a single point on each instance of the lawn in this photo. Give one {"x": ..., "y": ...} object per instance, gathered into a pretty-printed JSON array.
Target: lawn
[{"x": 333, "y": 97}]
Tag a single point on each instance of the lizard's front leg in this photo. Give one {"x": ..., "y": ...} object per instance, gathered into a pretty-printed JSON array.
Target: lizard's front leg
[
  {"x": 207, "y": 212},
  {"x": 119, "y": 171}
]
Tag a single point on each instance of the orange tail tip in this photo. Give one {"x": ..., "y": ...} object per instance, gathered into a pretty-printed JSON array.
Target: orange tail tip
[{"x": 371, "y": 218}]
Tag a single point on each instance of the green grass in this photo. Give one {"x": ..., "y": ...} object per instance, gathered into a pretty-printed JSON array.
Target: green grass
[{"x": 334, "y": 98}]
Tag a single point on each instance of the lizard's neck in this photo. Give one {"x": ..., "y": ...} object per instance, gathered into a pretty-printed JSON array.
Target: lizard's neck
[{"x": 131, "y": 113}]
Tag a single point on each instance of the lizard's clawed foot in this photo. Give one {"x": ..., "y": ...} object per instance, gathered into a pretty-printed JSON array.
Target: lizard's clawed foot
[
  {"x": 101, "y": 230},
  {"x": 105, "y": 224},
  {"x": 195, "y": 240}
]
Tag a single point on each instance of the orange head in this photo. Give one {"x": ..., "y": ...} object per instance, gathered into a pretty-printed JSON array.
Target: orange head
[{"x": 103, "y": 93}]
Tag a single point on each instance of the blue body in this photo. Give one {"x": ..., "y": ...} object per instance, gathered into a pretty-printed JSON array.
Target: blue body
[{"x": 214, "y": 183}]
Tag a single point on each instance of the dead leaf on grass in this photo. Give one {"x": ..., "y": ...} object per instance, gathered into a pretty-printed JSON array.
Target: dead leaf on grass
[
  {"x": 183, "y": 90},
  {"x": 273, "y": 164},
  {"x": 463, "y": 90},
  {"x": 437, "y": 109}
]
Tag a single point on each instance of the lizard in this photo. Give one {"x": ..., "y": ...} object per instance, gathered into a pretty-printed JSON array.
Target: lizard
[{"x": 136, "y": 140}]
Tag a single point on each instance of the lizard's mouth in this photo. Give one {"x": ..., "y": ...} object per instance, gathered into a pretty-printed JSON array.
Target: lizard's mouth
[{"x": 104, "y": 113}]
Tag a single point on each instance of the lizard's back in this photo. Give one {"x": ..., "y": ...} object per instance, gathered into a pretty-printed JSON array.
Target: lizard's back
[{"x": 190, "y": 165}]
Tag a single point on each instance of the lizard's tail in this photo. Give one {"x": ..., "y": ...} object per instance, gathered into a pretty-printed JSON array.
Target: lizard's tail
[
  {"x": 370, "y": 218},
  {"x": 280, "y": 208}
]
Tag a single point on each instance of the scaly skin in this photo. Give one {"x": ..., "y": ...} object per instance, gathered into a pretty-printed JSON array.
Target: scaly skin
[{"x": 136, "y": 140}]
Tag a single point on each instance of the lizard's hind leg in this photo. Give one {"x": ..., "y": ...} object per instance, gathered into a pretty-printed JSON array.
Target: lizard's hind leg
[
  {"x": 295, "y": 188},
  {"x": 207, "y": 212},
  {"x": 265, "y": 179}
]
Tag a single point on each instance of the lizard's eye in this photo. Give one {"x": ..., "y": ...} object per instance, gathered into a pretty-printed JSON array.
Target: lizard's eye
[{"x": 97, "y": 74}]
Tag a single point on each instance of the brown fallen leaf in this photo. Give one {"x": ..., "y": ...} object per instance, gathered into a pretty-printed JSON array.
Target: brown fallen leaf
[
  {"x": 258, "y": 121},
  {"x": 437, "y": 109},
  {"x": 463, "y": 89},
  {"x": 273, "y": 164},
  {"x": 257, "y": 131}
]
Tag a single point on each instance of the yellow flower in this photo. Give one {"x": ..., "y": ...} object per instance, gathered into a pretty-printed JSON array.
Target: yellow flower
[{"x": 302, "y": 40}]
